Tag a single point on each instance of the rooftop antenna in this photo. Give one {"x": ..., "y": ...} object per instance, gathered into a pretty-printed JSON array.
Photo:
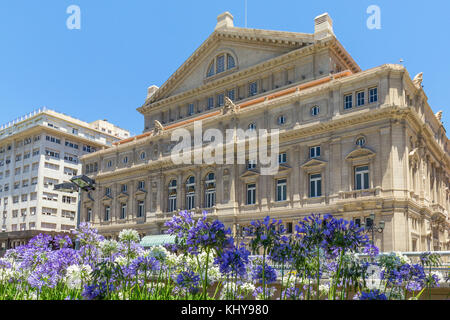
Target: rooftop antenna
[{"x": 245, "y": 13}]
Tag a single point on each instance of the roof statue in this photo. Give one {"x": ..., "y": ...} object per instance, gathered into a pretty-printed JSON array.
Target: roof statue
[
  {"x": 158, "y": 128},
  {"x": 418, "y": 79},
  {"x": 229, "y": 106},
  {"x": 439, "y": 116}
]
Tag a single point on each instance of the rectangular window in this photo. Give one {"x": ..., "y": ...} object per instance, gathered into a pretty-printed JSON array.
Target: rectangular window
[
  {"x": 172, "y": 202},
  {"x": 251, "y": 164},
  {"x": 71, "y": 144},
  {"x": 190, "y": 109},
  {"x": 281, "y": 190},
  {"x": 124, "y": 188},
  {"x": 51, "y": 153},
  {"x": 362, "y": 178},
  {"x": 210, "y": 103},
  {"x": 123, "y": 211},
  {"x": 141, "y": 209},
  {"x": 348, "y": 101},
  {"x": 210, "y": 196},
  {"x": 314, "y": 152},
  {"x": 360, "y": 99},
  {"x": 251, "y": 193},
  {"x": 220, "y": 100},
  {"x": 231, "y": 94},
  {"x": 53, "y": 139},
  {"x": 220, "y": 64},
  {"x": 71, "y": 158},
  {"x": 108, "y": 191},
  {"x": 141, "y": 185},
  {"x": 107, "y": 213},
  {"x": 315, "y": 183},
  {"x": 253, "y": 89},
  {"x": 89, "y": 215},
  {"x": 373, "y": 95},
  {"x": 282, "y": 158},
  {"x": 357, "y": 222},
  {"x": 289, "y": 227}
]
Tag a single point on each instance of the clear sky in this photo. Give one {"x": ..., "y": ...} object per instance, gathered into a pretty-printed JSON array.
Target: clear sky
[{"x": 103, "y": 70}]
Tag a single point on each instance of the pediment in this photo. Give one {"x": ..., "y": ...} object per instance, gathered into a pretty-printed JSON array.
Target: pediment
[
  {"x": 249, "y": 173},
  {"x": 255, "y": 45},
  {"x": 122, "y": 196},
  {"x": 141, "y": 192},
  {"x": 284, "y": 167},
  {"x": 313, "y": 164},
  {"x": 89, "y": 198},
  {"x": 106, "y": 198},
  {"x": 360, "y": 154}
]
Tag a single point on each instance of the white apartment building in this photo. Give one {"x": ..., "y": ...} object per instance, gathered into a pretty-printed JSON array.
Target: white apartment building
[{"x": 38, "y": 151}]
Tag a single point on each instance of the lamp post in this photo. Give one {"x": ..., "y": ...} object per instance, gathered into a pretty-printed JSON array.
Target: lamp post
[
  {"x": 372, "y": 227},
  {"x": 77, "y": 184}
]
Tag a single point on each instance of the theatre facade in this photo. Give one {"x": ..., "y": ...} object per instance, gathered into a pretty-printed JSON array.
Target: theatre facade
[{"x": 352, "y": 142}]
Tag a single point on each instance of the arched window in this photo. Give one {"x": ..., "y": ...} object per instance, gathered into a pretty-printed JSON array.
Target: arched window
[
  {"x": 281, "y": 120},
  {"x": 172, "y": 195},
  {"x": 190, "y": 193},
  {"x": 361, "y": 141},
  {"x": 315, "y": 111},
  {"x": 221, "y": 63},
  {"x": 210, "y": 190}
]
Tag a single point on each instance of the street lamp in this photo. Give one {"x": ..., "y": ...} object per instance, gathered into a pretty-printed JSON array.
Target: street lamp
[
  {"x": 371, "y": 227},
  {"x": 77, "y": 184}
]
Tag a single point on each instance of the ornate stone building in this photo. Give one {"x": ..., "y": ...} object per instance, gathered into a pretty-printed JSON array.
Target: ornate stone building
[{"x": 352, "y": 142}]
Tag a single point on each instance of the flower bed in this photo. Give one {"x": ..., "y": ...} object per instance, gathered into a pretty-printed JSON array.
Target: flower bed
[{"x": 208, "y": 263}]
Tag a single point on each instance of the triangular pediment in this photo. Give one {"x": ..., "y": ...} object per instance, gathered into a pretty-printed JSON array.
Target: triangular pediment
[
  {"x": 249, "y": 173},
  {"x": 254, "y": 46},
  {"x": 141, "y": 192},
  {"x": 106, "y": 198},
  {"x": 284, "y": 167},
  {"x": 123, "y": 196},
  {"x": 313, "y": 164},
  {"x": 360, "y": 154}
]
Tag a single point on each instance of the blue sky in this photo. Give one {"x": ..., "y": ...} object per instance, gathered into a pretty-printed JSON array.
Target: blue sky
[{"x": 102, "y": 71}]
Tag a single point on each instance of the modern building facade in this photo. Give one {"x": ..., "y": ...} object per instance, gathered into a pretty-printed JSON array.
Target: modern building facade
[
  {"x": 352, "y": 142},
  {"x": 37, "y": 152}
]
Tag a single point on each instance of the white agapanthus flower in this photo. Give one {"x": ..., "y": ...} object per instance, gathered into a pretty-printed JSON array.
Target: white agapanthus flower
[
  {"x": 76, "y": 275},
  {"x": 159, "y": 253},
  {"x": 129, "y": 235},
  {"x": 247, "y": 287},
  {"x": 171, "y": 259},
  {"x": 324, "y": 288},
  {"x": 6, "y": 274},
  {"x": 404, "y": 259},
  {"x": 121, "y": 260},
  {"x": 108, "y": 247}
]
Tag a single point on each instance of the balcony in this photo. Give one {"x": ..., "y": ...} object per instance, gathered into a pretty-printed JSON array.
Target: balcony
[{"x": 357, "y": 194}]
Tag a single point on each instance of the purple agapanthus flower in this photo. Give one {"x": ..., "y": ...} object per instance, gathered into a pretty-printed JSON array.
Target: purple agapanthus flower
[
  {"x": 233, "y": 261},
  {"x": 188, "y": 280},
  {"x": 372, "y": 295},
  {"x": 97, "y": 291},
  {"x": 269, "y": 274}
]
